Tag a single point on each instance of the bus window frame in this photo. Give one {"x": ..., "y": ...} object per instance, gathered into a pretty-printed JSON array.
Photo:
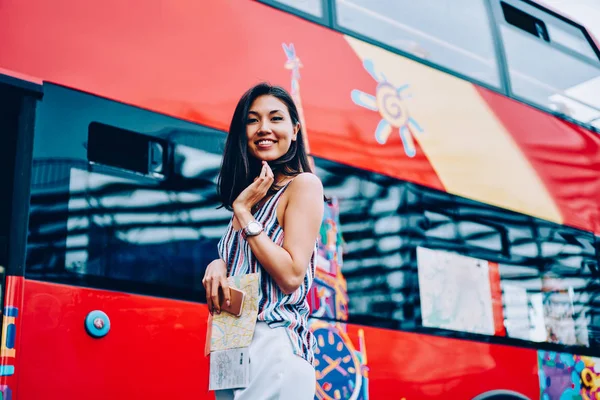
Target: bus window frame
[
  {"x": 498, "y": 17},
  {"x": 582, "y": 28}
]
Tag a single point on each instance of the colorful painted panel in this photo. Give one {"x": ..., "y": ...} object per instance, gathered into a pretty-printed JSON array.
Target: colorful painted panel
[
  {"x": 331, "y": 295},
  {"x": 340, "y": 367},
  {"x": 11, "y": 327},
  {"x": 566, "y": 376}
]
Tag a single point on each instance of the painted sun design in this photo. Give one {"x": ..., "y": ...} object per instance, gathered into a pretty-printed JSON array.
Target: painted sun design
[{"x": 390, "y": 102}]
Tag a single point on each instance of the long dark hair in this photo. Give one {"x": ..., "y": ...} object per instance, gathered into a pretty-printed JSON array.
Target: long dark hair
[{"x": 238, "y": 168}]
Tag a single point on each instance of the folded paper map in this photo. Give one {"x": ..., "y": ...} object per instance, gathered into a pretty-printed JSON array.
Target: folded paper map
[{"x": 229, "y": 331}]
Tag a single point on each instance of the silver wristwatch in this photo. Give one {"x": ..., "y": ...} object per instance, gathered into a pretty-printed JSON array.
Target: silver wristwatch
[{"x": 253, "y": 228}]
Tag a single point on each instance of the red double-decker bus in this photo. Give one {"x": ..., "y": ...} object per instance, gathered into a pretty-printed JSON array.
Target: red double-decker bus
[{"x": 457, "y": 141}]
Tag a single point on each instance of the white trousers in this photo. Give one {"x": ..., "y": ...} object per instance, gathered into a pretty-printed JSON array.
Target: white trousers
[{"x": 275, "y": 371}]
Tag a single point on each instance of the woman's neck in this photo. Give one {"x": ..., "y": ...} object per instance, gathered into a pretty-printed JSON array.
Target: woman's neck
[{"x": 281, "y": 179}]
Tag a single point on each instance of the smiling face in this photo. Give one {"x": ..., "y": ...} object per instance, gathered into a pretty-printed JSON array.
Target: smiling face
[{"x": 269, "y": 128}]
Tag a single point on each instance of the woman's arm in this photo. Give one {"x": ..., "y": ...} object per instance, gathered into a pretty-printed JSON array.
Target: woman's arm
[{"x": 302, "y": 220}]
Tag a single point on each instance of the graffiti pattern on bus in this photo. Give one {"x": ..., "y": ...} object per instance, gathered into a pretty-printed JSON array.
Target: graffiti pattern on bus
[
  {"x": 7, "y": 349},
  {"x": 390, "y": 101},
  {"x": 5, "y": 392},
  {"x": 565, "y": 375},
  {"x": 341, "y": 369},
  {"x": 294, "y": 64}
]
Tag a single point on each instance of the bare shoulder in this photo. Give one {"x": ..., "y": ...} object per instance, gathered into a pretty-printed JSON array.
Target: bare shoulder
[
  {"x": 303, "y": 197},
  {"x": 307, "y": 184}
]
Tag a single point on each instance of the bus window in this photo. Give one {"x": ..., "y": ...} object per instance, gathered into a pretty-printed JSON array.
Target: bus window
[
  {"x": 108, "y": 222},
  {"x": 415, "y": 258},
  {"x": 452, "y": 34},
  {"x": 551, "y": 62}
]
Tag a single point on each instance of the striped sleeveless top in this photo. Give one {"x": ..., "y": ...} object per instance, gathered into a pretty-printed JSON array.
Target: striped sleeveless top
[{"x": 275, "y": 307}]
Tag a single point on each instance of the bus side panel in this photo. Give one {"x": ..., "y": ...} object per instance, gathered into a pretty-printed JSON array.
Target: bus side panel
[
  {"x": 153, "y": 350},
  {"x": 415, "y": 366},
  {"x": 10, "y": 365}
]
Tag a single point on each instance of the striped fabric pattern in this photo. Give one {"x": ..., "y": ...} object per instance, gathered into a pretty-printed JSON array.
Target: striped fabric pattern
[{"x": 275, "y": 308}]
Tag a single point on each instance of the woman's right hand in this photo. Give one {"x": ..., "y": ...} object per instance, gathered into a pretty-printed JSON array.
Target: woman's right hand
[{"x": 215, "y": 277}]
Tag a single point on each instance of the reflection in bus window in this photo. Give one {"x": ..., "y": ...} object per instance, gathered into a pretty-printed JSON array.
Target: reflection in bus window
[
  {"x": 114, "y": 228},
  {"x": 120, "y": 229},
  {"x": 417, "y": 257},
  {"x": 558, "y": 70},
  {"x": 453, "y": 34}
]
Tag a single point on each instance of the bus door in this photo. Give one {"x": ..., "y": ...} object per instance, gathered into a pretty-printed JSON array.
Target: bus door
[{"x": 18, "y": 100}]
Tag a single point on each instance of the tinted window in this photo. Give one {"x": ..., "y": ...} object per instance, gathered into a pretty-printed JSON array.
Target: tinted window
[
  {"x": 414, "y": 257},
  {"x": 98, "y": 225},
  {"x": 452, "y": 34},
  {"x": 554, "y": 67}
]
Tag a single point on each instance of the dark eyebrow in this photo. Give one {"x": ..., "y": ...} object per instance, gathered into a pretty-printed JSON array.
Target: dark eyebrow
[{"x": 270, "y": 112}]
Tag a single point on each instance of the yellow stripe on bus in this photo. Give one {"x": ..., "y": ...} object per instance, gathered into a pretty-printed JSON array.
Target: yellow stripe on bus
[{"x": 468, "y": 147}]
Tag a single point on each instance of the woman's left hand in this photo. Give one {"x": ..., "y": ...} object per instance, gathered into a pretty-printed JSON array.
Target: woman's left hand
[{"x": 256, "y": 190}]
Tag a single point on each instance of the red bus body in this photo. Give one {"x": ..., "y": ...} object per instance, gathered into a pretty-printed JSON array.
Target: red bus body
[{"x": 192, "y": 61}]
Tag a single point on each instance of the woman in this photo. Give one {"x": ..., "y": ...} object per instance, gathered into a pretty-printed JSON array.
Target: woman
[{"x": 277, "y": 206}]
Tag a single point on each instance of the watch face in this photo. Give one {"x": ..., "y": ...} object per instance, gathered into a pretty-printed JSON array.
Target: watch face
[
  {"x": 337, "y": 367},
  {"x": 254, "y": 228}
]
